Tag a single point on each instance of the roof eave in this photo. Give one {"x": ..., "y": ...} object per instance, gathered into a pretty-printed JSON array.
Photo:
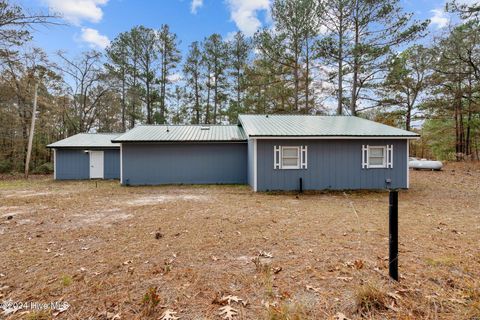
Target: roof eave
[
  {"x": 183, "y": 141},
  {"x": 83, "y": 147},
  {"x": 413, "y": 137}
]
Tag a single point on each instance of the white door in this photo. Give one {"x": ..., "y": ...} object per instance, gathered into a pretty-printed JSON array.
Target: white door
[{"x": 96, "y": 164}]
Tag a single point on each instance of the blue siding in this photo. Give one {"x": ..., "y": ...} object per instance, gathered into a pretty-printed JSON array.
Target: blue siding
[
  {"x": 332, "y": 164},
  {"x": 72, "y": 164},
  {"x": 184, "y": 163},
  {"x": 111, "y": 164}
]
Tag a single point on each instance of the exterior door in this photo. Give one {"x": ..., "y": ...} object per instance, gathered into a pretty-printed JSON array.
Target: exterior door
[{"x": 96, "y": 164}]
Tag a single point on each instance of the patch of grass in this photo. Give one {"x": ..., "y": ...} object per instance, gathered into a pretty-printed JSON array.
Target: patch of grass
[
  {"x": 66, "y": 280},
  {"x": 446, "y": 261},
  {"x": 286, "y": 311},
  {"x": 370, "y": 298},
  {"x": 150, "y": 300},
  {"x": 265, "y": 268},
  {"x": 261, "y": 266},
  {"x": 39, "y": 315},
  {"x": 472, "y": 295}
]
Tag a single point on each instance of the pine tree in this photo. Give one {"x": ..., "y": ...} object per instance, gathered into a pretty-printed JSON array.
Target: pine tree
[
  {"x": 147, "y": 59},
  {"x": 407, "y": 78},
  {"x": 378, "y": 27},
  {"x": 169, "y": 59},
  {"x": 334, "y": 48},
  {"x": 192, "y": 70},
  {"x": 215, "y": 54},
  {"x": 289, "y": 45},
  {"x": 239, "y": 49},
  {"x": 117, "y": 67}
]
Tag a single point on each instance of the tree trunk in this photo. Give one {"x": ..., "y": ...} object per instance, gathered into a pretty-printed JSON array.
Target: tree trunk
[
  {"x": 197, "y": 102},
  {"x": 307, "y": 73},
  {"x": 458, "y": 149},
  {"x": 124, "y": 125},
  {"x": 296, "y": 77},
  {"x": 32, "y": 131},
  {"x": 149, "y": 111},
  {"x": 215, "y": 100},
  {"x": 408, "y": 118},
  {"x": 163, "y": 86},
  {"x": 353, "y": 102},
  {"x": 340, "y": 64},
  {"x": 207, "y": 111}
]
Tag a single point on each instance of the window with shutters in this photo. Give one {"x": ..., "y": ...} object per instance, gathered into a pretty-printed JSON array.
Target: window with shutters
[
  {"x": 377, "y": 156},
  {"x": 290, "y": 157}
]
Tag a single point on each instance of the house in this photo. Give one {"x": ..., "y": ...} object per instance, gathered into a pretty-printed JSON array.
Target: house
[
  {"x": 192, "y": 154},
  {"x": 326, "y": 152},
  {"x": 268, "y": 152},
  {"x": 86, "y": 156}
]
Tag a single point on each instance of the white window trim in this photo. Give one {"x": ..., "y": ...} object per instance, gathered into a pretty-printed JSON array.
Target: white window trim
[
  {"x": 255, "y": 165},
  {"x": 121, "y": 164},
  {"x": 387, "y": 157},
  {"x": 408, "y": 169},
  {"x": 302, "y": 157},
  {"x": 277, "y": 155},
  {"x": 290, "y": 167},
  {"x": 54, "y": 164},
  {"x": 377, "y": 166}
]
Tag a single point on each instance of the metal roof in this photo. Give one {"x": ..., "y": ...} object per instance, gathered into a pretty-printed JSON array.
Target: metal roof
[
  {"x": 87, "y": 140},
  {"x": 196, "y": 133},
  {"x": 312, "y": 125}
]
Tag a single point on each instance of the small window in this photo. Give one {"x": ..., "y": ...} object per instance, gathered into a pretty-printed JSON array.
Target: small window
[
  {"x": 377, "y": 157},
  {"x": 290, "y": 157}
]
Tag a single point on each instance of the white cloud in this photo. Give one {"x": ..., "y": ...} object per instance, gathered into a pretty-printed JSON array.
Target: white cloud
[
  {"x": 230, "y": 36},
  {"x": 196, "y": 4},
  {"x": 439, "y": 18},
  {"x": 94, "y": 38},
  {"x": 175, "y": 77},
  {"x": 75, "y": 11},
  {"x": 244, "y": 14}
]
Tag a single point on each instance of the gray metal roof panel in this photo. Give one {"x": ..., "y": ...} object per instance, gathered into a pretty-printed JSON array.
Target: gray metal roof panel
[
  {"x": 87, "y": 140},
  {"x": 168, "y": 133},
  {"x": 312, "y": 125}
]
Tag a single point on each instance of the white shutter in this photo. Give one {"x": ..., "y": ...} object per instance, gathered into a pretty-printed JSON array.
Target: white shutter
[
  {"x": 276, "y": 157},
  {"x": 303, "y": 157},
  {"x": 365, "y": 156},
  {"x": 390, "y": 156}
]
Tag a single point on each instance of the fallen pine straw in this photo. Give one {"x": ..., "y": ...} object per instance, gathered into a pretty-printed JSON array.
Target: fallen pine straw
[{"x": 102, "y": 249}]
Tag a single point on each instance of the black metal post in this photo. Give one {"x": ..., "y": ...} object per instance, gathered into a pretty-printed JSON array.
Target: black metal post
[
  {"x": 393, "y": 235},
  {"x": 301, "y": 185}
]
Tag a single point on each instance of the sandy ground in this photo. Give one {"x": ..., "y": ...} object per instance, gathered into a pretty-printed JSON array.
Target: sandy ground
[{"x": 116, "y": 252}]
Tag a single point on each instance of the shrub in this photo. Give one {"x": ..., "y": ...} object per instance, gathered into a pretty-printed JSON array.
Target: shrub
[
  {"x": 150, "y": 300},
  {"x": 370, "y": 298},
  {"x": 5, "y": 166},
  {"x": 45, "y": 168}
]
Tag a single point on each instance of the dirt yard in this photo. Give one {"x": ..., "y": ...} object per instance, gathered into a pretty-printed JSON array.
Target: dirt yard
[{"x": 116, "y": 252}]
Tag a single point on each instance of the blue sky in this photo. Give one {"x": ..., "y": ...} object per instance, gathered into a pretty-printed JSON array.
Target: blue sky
[{"x": 93, "y": 23}]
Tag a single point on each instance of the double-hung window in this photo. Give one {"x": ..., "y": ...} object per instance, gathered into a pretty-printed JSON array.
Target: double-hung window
[
  {"x": 377, "y": 156},
  {"x": 290, "y": 157}
]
